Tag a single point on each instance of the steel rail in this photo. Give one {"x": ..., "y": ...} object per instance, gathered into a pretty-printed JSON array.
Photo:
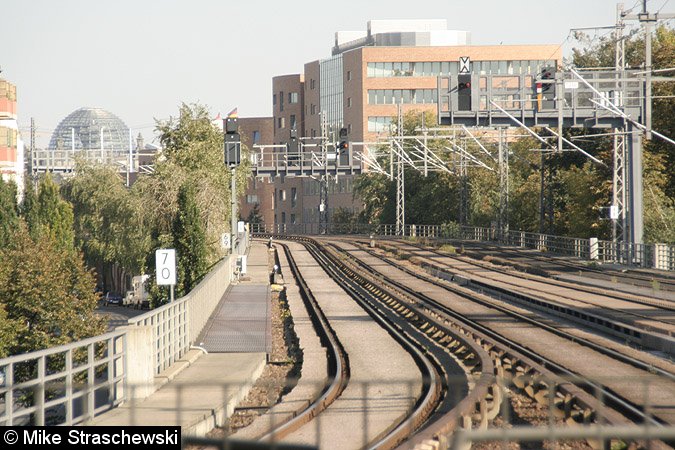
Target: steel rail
[
  {"x": 631, "y": 410},
  {"x": 337, "y": 357}
]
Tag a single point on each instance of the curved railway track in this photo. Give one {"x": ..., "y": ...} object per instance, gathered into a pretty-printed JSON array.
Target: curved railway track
[
  {"x": 528, "y": 369},
  {"x": 628, "y": 407},
  {"x": 432, "y": 366}
]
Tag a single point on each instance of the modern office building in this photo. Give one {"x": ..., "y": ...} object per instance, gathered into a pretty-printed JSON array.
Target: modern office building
[
  {"x": 11, "y": 144},
  {"x": 361, "y": 85}
]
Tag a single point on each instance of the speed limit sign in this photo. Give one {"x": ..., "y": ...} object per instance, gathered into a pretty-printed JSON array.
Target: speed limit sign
[{"x": 165, "y": 264}]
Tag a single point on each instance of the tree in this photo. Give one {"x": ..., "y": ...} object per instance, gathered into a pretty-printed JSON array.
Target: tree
[
  {"x": 193, "y": 147},
  {"x": 189, "y": 241},
  {"x": 110, "y": 224},
  {"x": 9, "y": 218},
  {"x": 55, "y": 216},
  {"x": 46, "y": 294},
  {"x": 659, "y": 156},
  {"x": 29, "y": 209}
]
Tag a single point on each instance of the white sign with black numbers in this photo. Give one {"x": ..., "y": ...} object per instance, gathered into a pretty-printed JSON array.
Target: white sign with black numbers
[{"x": 165, "y": 263}]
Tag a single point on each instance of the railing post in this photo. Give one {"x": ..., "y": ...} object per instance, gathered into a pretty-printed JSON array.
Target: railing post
[
  {"x": 661, "y": 256},
  {"x": 69, "y": 387},
  {"x": 593, "y": 248},
  {"x": 39, "y": 393}
]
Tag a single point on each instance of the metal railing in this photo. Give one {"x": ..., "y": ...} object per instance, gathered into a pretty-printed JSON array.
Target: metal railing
[
  {"x": 655, "y": 256},
  {"x": 65, "y": 385},
  {"x": 176, "y": 324},
  {"x": 70, "y": 384}
]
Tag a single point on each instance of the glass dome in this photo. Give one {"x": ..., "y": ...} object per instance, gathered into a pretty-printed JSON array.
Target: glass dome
[{"x": 96, "y": 131}]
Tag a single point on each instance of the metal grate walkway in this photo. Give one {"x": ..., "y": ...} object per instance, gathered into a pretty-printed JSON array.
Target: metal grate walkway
[{"x": 241, "y": 321}]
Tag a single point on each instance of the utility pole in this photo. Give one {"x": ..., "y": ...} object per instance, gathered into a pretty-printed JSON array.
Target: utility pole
[
  {"x": 400, "y": 179},
  {"x": 32, "y": 149},
  {"x": 648, "y": 20},
  {"x": 618, "y": 208},
  {"x": 503, "y": 158},
  {"x": 634, "y": 154}
]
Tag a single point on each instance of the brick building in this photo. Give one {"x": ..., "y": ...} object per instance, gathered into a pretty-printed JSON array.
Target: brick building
[
  {"x": 11, "y": 145},
  {"x": 360, "y": 87}
]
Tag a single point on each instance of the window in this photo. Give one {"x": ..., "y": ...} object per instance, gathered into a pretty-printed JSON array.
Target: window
[
  {"x": 312, "y": 109},
  {"x": 274, "y": 202},
  {"x": 282, "y": 195},
  {"x": 292, "y": 97},
  {"x": 377, "y": 124},
  {"x": 274, "y": 99},
  {"x": 281, "y": 100},
  {"x": 312, "y": 83},
  {"x": 251, "y": 199},
  {"x": 293, "y": 122},
  {"x": 293, "y": 219},
  {"x": 294, "y": 197},
  {"x": 283, "y": 217},
  {"x": 256, "y": 137},
  {"x": 349, "y": 102},
  {"x": 281, "y": 122},
  {"x": 349, "y": 75}
]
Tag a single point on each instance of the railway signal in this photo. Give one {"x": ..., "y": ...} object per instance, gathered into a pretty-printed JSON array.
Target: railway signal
[
  {"x": 464, "y": 92},
  {"x": 232, "y": 142}
]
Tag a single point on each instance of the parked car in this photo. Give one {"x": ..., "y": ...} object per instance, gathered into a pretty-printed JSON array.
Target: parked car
[{"x": 113, "y": 299}]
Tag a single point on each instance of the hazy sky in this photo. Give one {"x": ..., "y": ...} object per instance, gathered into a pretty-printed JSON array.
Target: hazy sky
[{"x": 139, "y": 59}]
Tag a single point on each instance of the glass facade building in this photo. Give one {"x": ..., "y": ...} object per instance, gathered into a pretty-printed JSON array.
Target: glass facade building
[
  {"x": 331, "y": 92},
  {"x": 93, "y": 129}
]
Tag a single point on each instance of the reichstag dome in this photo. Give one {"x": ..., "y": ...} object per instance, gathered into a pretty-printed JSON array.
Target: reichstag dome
[{"x": 97, "y": 133}]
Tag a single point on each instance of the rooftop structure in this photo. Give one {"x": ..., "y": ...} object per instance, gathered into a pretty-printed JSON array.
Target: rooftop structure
[
  {"x": 91, "y": 129},
  {"x": 401, "y": 33}
]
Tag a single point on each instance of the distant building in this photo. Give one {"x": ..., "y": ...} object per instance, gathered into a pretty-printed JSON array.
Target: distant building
[
  {"x": 369, "y": 74},
  {"x": 11, "y": 145},
  {"x": 94, "y": 135}
]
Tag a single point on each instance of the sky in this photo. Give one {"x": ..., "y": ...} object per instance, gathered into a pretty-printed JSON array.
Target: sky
[{"x": 139, "y": 59}]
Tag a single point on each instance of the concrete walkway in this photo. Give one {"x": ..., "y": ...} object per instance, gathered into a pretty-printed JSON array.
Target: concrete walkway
[{"x": 201, "y": 391}]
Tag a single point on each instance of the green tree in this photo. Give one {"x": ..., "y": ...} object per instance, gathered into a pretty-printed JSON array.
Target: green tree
[
  {"x": 110, "y": 223},
  {"x": 659, "y": 156},
  {"x": 9, "y": 214},
  {"x": 55, "y": 216},
  {"x": 189, "y": 241},
  {"x": 29, "y": 209},
  {"x": 46, "y": 293},
  {"x": 193, "y": 147}
]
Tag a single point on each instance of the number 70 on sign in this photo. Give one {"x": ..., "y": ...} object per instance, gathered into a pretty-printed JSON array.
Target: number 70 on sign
[{"x": 165, "y": 264}]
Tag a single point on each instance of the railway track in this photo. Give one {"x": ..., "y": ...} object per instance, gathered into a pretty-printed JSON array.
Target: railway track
[
  {"x": 649, "y": 323},
  {"x": 433, "y": 397},
  {"x": 666, "y": 281},
  {"x": 530, "y": 371},
  {"x": 660, "y": 303}
]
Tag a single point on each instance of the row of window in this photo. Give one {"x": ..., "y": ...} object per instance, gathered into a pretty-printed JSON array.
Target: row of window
[
  {"x": 281, "y": 122},
  {"x": 292, "y": 98},
  {"x": 280, "y": 194},
  {"x": 377, "y": 124},
  {"x": 434, "y": 69},
  {"x": 283, "y": 219},
  {"x": 8, "y": 137},
  {"x": 7, "y": 90},
  {"x": 343, "y": 186},
  {"x": 405, "y": 96}
]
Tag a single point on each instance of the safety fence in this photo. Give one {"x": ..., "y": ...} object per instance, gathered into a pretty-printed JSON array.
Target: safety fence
[
  {"x": 69, "y": 384},
  {"x": 568, "y": 412},
  {"x": 656, "y": 256}
]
